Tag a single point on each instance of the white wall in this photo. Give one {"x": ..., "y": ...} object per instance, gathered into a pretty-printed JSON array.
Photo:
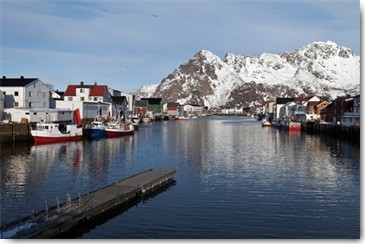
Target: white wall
[
  {"x": 37, "y": 115},
  {"x": 35, "y": 94}
]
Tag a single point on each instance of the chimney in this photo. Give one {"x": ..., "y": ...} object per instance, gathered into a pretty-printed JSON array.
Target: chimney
[
  {"x": 4, "y": 77},
  {"x": 96, "y": 83},
  {"x": 82, "y": 83},
  {"x": 21, "y": 77}
]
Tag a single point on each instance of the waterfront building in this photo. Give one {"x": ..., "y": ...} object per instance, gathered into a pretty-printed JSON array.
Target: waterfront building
[
  {"x": 33, "y": 115},
  {"x": 352, "y": 116},
  {"x": 171, "y": 109},
  {"x": 92, "y": 100},
  {"x": 279, "y": 103},
  {"x": 334, "y": 111},
  {"x": 129, "y": 97},
  {"x": 154, "y": 105},
  {"x": 24, "y": 92}
]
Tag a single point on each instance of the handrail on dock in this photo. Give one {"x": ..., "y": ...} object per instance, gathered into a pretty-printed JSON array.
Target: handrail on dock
[{"x": 53, "y": 223}]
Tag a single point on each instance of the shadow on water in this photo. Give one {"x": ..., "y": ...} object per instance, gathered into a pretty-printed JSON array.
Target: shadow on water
[
  {"x": 93, "y": 223},
  {"x": 8, "y": 149}
]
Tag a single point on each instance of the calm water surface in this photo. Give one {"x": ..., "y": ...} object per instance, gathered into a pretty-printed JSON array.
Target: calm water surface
[{"x": 235, "y": 179}]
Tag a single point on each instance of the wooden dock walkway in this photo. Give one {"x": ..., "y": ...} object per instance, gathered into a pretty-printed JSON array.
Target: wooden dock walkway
[{"x": 68, "y": 216}]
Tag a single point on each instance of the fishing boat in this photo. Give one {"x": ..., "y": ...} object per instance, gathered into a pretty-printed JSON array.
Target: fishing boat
[
  {"x": 116, "y": 129},
  {"x": 46, "y": 132},
  {"x": 96, "y": 129}
]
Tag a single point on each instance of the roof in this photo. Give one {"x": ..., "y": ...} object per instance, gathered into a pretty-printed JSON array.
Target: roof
[
  {"x": 141, "y": 103},
  {"x": 95, "y": 90},
  {"x": 119, "y": 99},
  {"x": 16, "y": 81},
  {"x": 283, "y": 100},
  {"x": 152, "y": 101},
  {"x": 98, "y": 90}
]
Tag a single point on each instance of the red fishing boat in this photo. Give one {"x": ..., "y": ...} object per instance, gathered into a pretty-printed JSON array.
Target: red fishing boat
[
  {"x": 117, "y": 129},
  {"x": 46, "y": 132}
]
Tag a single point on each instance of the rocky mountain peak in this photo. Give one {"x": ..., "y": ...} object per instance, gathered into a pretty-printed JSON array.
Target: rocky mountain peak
[{"x": 320, "y": 68}]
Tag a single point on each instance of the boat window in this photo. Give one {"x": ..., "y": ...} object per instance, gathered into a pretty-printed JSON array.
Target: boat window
[{"x": 46, "y": 127}]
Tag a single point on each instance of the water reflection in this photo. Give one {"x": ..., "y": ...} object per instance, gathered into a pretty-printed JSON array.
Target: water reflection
[{"x": 234, "y": 179}]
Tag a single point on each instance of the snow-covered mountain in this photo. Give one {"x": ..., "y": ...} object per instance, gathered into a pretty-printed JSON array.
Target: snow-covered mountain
[{"x": 320, "y": 68}]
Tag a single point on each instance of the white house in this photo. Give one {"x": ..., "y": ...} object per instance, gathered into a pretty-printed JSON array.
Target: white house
[
  {"x": 92, "y": 100},
  {"x": 24, "y": 92}
]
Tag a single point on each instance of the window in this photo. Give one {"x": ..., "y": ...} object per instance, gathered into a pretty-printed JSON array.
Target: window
[
  {"x": 70, "y": 98},
  {"x": 82, "y": 99},
  {"x": 81, "y": 90},
  {"x": 16, "y": 104},
  {"x": 16, "y": 93},
  {"x": 30, "y": 104},
  {"x": 30, "y": 94},
  {"x": 95, "y": 98}
]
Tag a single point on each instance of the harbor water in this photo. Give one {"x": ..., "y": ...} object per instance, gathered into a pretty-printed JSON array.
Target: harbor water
[{"x": 234, "y": 179}]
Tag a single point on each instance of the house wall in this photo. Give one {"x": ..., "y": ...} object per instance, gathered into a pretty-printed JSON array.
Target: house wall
[
  {"x": 88, "y": 110},
  {"x": 37, "y": 115},
  {"x": 33, "y": 95}
]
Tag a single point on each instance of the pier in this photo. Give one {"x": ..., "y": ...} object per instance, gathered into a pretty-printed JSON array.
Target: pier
[{"x": 57, "y": 221}]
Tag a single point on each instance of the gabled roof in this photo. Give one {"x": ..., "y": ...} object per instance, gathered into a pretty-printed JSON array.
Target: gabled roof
[
  {"x": 119, "y": 99},
  {"x": 98, "y": 90},
  {"x": 95, "y": 90},
  {"x": 283, "y": 100},
  {"x": 16, "y": 81}
]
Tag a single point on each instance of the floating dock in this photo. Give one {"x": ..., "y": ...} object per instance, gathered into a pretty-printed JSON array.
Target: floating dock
[{"x": 64, "y": 218}]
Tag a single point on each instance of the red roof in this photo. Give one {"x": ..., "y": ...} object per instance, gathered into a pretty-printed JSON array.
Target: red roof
[
  {"x": 95, "y": 90},
  {"x": 98, "y": 90}
]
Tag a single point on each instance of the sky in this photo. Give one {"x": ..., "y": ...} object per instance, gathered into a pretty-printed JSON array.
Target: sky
[{"x": 127, "y": 44}]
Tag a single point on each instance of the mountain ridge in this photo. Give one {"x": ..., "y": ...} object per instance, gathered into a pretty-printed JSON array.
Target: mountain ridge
[{"x": 320, "y": 68}]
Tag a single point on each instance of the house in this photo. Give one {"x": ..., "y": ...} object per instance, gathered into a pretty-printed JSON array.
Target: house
[
  {"x": 154, "y": 105},
  {"x": 119, "y": 106},
  {"x": 129, "y": 97},
  {"x": 352, "y": 116},
  {"x": 24, "y": 92},
  {"x": 54, "y": 96},
  {"x": 171, "y": 109},
  {"x": 92, "y": 100},
  {"x": 336, "y": 109},
  {"x": 280, "y": 102},
  {"x": 141, "y": 107}
]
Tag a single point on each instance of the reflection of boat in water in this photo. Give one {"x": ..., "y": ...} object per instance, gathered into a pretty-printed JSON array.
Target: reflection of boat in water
[
  {"x": 292, "y": 126},
  {"x": 265, "y": 122},
  {"x": 45, "y": 132},
  {"x": 116, "y": 129}
]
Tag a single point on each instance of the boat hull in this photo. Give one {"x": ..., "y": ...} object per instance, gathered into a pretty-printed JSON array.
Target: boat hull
[
  {"x": 116, "y": 133},
  {"x": 38, "y": 139},
  {"x": 96, "y": 132}
]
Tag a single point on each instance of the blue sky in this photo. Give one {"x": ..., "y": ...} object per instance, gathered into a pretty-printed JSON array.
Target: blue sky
[{"x": 126, "y": 44}]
